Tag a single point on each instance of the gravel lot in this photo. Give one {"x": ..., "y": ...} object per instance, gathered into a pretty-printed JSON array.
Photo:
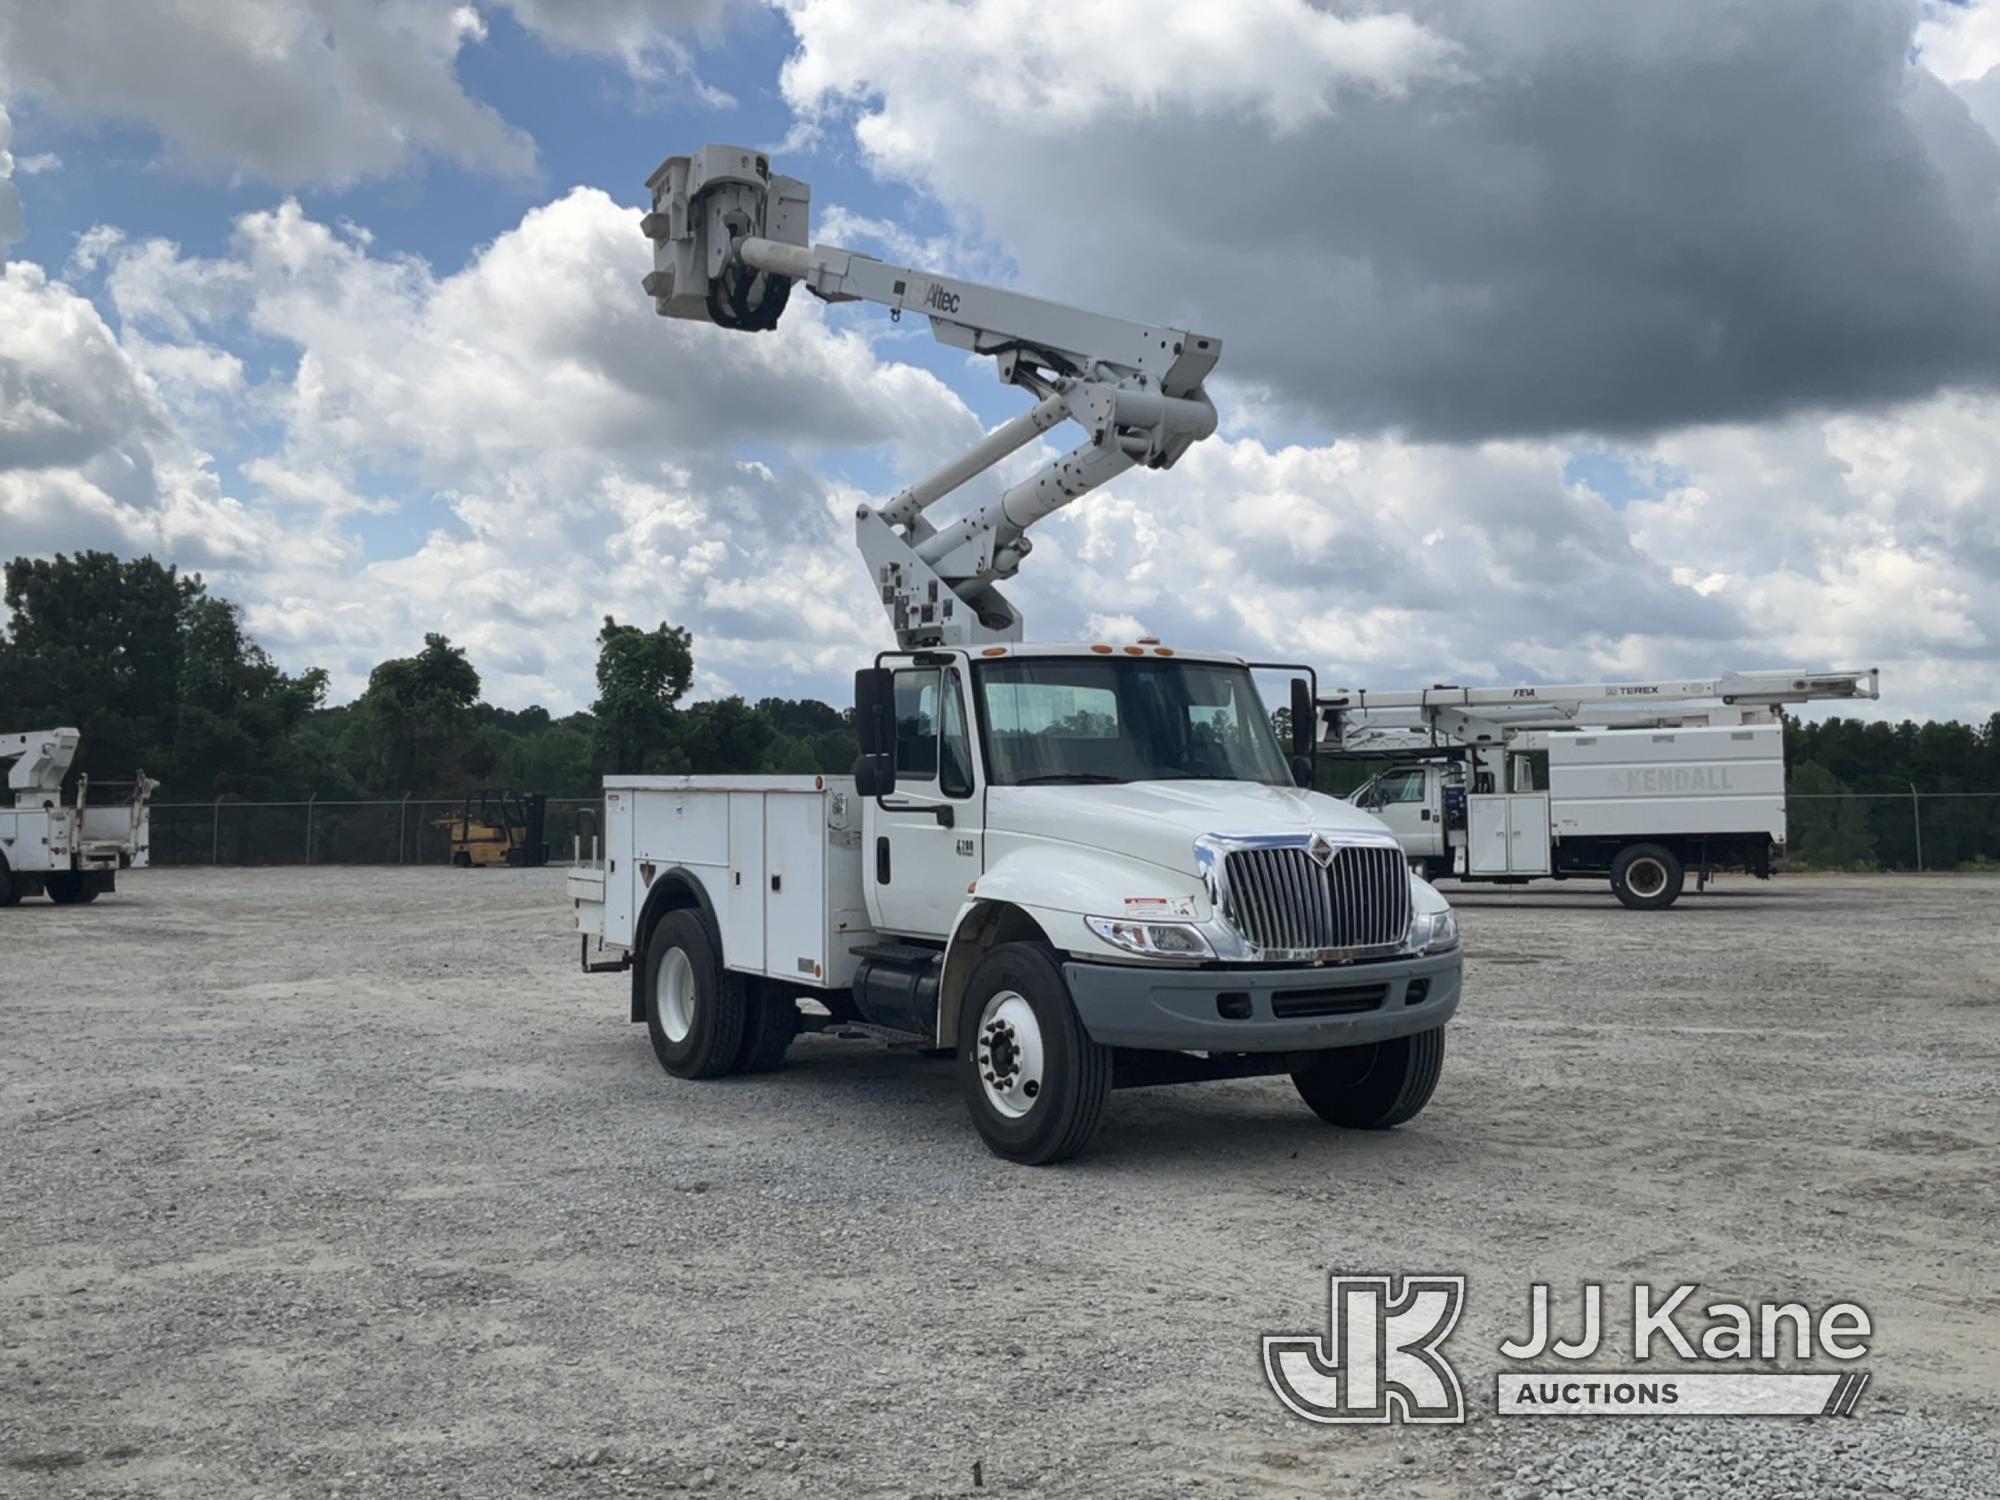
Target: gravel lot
[{"x": 345, "y": 1182}]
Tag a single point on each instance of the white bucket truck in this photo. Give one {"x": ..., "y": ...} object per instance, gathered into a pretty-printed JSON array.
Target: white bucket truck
[
  {"x": 70, "y": 851},
  {"x": 1075, "y": 867},
  {"x": 1634, "y": 782}
]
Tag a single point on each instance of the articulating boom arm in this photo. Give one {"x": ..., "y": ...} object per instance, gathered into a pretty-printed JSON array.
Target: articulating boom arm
[{"x": 729, "y": 243}]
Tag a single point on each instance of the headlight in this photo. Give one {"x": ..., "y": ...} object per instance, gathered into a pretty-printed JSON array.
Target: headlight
[
  {"x": 1434, "y": 932},
  {"x": 1152, "y": 939}
]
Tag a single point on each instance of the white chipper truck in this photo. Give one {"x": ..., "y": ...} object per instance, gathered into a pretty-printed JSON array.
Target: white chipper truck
[
  {"x": 1634, "y": 782},
  {"x": 1076, "y": 867},
  {"x": 73, "y": 851}
]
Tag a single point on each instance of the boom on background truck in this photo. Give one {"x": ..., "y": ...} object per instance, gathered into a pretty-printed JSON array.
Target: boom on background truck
[{"x": 1076, "y": 867}]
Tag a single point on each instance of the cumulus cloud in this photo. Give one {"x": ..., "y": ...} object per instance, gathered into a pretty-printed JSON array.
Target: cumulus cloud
[
  {"x": 1458, "y": 218},
  {"x": 10, "y": 196},
  {"x": 91, "y": 454},
  {"x": 313, "y": 91},
  {"x": 570, "y": 452},
  {"x": 1848, "y": 541}
]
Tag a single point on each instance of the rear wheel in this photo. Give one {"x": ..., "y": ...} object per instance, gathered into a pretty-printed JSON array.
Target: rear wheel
[
  {"x": 1032, "y": 1078},
  {"x": 71, "y": 888},
  {"x": 462, "y": 859},
  {"x": 1374, "y": 1086},
  {"x": 694, "y": 1010},
  {"x": 10, "y": 886},
  {"x": 1647, "y": 877}
]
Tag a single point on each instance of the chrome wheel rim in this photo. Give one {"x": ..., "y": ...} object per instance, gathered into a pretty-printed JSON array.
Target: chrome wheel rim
[
  {"x": 1010, "y": 1054},
  {"x": 676, "y": 995}
]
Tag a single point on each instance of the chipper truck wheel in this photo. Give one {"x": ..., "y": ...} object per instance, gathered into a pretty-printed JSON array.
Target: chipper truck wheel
[
  {"x": 72, "y": 888},
  {"x": 1647, "y": 877},
  {"x": 1376, "y": 1085},
  {"x": 694, "y": 1011},
  {"x": 1033, "y": 1079}
]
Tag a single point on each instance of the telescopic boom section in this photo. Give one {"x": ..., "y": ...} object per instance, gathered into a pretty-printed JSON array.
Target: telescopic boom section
[
  {"x": 729, "y": 244},
  {"x": 1355, "y": 720}
]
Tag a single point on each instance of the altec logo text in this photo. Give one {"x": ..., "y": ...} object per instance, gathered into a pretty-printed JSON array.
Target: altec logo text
[{"x": 1382, "y": 1357}]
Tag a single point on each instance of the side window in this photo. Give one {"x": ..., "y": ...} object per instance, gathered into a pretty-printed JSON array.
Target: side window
[
  {"x": 917, "y": 725},
  {"x": 1403, "y": 786},
  {"x": 955, "y": 764}
]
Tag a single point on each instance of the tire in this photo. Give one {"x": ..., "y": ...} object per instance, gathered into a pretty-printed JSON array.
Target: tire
[
  {"x": 1376, "y": 1086},
  {"x": 1047, "y": 1097},
  {"x": 10, "y": 888},
  {"x": 462, "y": 860},
  {"x": 1647, "y": 877},
  {"x": 694, "y": 1010},
  {"x": 769, "y": 1024},
  {"x": 71, "y": 888}
]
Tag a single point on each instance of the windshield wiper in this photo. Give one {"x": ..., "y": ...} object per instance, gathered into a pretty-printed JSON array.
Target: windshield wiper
[{"x": 1070, "y": 778}]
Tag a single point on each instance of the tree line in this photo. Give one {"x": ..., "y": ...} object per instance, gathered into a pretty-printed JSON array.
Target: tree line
[{"x": 159, "y": 675}]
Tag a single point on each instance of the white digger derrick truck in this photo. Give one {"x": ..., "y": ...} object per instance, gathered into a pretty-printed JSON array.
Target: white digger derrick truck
[
  {"x": 1632, "y": 782},
  {"x": 70, "y": 851},
  {"x": 1074, "y": 867}
]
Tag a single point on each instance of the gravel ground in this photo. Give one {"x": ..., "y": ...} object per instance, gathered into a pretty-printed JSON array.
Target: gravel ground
[{"x": 345, "y": 1182}]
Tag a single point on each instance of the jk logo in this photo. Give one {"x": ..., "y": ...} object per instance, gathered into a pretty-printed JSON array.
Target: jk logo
[{"x": 1379, "y": 1361}]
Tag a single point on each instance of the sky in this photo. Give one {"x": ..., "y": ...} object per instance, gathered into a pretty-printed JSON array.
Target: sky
[{"x": 1560, "y": 343}]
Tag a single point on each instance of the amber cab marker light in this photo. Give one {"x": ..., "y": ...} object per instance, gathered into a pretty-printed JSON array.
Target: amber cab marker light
[
  {"x": 1102, "y": 650},
  {"x": 994, "y": 651}
]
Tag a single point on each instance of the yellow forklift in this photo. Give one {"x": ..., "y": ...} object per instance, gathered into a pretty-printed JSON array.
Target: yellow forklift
[{"x": 498, "y": 828}]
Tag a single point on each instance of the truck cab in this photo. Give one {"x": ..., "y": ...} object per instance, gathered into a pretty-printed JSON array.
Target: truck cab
[{"x": 1074, "y": 867}]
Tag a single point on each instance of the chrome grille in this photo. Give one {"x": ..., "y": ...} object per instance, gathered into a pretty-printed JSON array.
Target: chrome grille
[{"x": 1285, "y": 900}]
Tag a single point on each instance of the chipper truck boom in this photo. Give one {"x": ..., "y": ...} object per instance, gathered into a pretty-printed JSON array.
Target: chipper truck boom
[{"x": 1077, "y": 866}]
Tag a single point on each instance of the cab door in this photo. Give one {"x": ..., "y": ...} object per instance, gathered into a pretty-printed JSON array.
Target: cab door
[
  {"x": 1409, "y": 800},
  {"x": 924, "y": 843}
]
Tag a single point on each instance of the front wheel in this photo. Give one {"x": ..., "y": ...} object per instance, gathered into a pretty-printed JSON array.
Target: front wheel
[
  {"x": 1375, "y": 1086},
  {"x": 1647, "y": 877},
  {"x": 1034, "y": 1081},
  {"x": 694, "y": 1010}
]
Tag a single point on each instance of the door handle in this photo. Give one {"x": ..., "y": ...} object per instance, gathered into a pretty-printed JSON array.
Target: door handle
[{"x": 939, "y": 810}]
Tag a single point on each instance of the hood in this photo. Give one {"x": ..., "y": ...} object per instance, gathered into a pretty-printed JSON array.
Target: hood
[{"x": 1158, "y": 821}]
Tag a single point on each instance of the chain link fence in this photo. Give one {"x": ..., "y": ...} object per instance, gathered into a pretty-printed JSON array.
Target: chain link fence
[
  {"x": 1909, "y": 830},
  {"x": 1845, "y": 831},
  {"x": 322, "y": 831}
]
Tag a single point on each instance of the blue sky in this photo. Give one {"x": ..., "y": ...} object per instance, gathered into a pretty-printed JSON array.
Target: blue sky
[{"x": 1531, "y": 371}]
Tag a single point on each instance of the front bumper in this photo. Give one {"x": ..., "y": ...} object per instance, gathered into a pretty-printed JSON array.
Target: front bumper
[{"x": 1183, "y": 1010}]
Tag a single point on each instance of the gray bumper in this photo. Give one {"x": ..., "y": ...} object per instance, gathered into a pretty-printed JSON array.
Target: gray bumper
[{"x": 1181, "y": 1010}]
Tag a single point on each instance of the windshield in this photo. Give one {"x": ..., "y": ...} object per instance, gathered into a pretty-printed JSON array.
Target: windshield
[{"x": 1081, "y": 720}]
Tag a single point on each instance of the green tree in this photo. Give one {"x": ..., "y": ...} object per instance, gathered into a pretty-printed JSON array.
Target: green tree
[
  {"x": 95, "y": 643},
  {"x": 725, "y": 734},
  {"x": 641, "y": 675},
  {"x": 237, "y": 727},
  {"x": 1828, "y": 830},
  {"x": 416, "y": 717}
]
